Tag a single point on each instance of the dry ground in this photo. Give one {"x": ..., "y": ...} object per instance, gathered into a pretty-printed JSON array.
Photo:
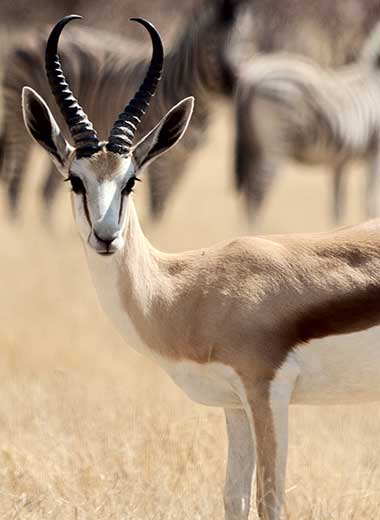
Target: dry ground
[{"x": 90, "y": 430}]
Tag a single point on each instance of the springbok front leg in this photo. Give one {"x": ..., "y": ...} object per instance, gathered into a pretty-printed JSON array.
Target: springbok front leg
[
  {"x": 240, "y": 465},
  {"x": 268, "y": 404}
]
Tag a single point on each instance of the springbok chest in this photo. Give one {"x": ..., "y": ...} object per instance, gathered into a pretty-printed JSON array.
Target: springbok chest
[{"x": 212, "y": 384}]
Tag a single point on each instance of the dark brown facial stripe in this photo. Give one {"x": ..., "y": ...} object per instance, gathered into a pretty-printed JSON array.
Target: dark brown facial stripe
[
  {"x": 345, "y": 314},
  {"x": 121, "y": 207},
  {"x": 86, "y": 210}
]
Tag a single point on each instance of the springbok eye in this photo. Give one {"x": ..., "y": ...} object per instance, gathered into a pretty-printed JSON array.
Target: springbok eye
[
  {"x": 128, "y": 188},
  {"x": 76, "y": 184}
]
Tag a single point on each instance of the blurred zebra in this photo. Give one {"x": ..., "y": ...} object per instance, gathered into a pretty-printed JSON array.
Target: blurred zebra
[
  {"x": 104, "y": 71},
  {"x": 289, "y": 107},
  {"x": 330, "y": 33}
]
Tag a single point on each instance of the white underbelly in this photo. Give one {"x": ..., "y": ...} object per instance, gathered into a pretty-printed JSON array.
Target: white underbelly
[
  {"x": 337, "y": 369},
  {"x": 212, "y": 384}
]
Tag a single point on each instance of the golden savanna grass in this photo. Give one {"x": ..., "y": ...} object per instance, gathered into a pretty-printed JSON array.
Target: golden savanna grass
[{"x": 90, "y": 430}]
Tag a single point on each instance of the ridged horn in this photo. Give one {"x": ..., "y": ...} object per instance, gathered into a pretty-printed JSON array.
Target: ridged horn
[
  {"x": 84, "y": 136},
  {"x": 124, "y": 129}
]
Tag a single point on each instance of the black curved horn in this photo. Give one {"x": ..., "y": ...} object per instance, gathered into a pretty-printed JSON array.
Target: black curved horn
[
  {"x": 81, "y": 129},
  {"x": 124, "y": 129}
]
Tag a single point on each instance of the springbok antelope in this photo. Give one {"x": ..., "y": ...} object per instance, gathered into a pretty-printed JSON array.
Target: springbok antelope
[
  {"x": 251, "y": 325},
  {"x": 290, "y": 107}
]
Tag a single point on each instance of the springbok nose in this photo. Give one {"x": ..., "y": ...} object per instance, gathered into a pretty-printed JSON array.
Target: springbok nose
[{"x": 106, "y": 239}]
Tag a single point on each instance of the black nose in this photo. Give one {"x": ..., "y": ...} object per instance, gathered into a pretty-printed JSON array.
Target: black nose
[{"x": 107, "y": 240}]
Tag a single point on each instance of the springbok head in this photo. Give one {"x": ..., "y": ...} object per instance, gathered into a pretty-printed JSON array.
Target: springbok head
[{"x": 102, "y": 174}]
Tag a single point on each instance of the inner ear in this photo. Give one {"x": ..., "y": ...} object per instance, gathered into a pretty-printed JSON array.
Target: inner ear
[
  {"x": 166, "y": 134},
  {"x": 40, "y": 127},
  {"x": 43, "y": 128}
]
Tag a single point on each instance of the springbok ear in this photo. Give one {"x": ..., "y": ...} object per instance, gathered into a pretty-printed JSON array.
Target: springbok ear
[
  {"x": 42, "y": 126},
  {"x": 166, "y": 134}
]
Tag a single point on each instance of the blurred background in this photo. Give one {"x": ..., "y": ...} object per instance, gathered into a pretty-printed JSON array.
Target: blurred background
[{"x": 88, "y": 428}]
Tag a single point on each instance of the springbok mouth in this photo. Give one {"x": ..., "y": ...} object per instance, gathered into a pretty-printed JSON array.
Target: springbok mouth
[{"x": 106, "y": 253}]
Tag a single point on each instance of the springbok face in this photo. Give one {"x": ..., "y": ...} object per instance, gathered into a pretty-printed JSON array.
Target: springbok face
[{"x": 102, "y": 174}]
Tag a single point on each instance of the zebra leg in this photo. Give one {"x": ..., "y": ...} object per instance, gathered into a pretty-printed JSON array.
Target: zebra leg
[
  {"x": 255, "y": 172},
  {"x": 373, "y": 186},
  {"x": 338, "y": 193},
  {"x": 15, "y": 168},
  {"x": 255, "y": 167},
  {"x": 50, "y": 187},
  {"x": 2, "y": 151},
  {"x": 244, "y": 149},
  {"x": 258, "y": 184},
  {"x": 240, "y": 465},
  {"x": 163, "y": 178}
]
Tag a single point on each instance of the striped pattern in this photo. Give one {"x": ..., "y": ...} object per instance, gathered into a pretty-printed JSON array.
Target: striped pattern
[
  {"x": 300, "y": 110},
  {"x": 104, "y": 72}
]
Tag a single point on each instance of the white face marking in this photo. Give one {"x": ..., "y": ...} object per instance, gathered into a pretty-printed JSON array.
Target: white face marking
[{"x": 100, "y": 212}]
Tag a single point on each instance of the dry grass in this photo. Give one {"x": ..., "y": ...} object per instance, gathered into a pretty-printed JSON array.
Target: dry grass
[{"x": 89, "y": 430}]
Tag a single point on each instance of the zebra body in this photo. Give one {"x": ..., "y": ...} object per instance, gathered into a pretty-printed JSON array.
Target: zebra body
[
  {"x": 300, "y": 110},
  {"x": 104, "y": 71}
]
